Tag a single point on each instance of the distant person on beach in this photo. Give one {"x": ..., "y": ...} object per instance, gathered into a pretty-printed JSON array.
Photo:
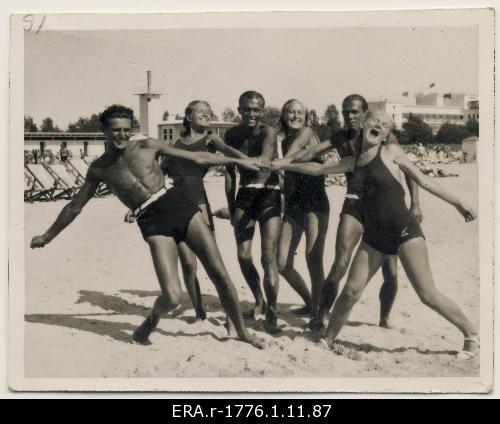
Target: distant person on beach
[
  {"x": 389, "y": 227},
  {"x": 422, "y": 152},
  {"x": 307, "y": 210},
  {"x": 64, "y": 153},
  {"x": 165, "y": 217},
  {"x": 347, "y": 142},
  {"x": 258, "y": 200}
]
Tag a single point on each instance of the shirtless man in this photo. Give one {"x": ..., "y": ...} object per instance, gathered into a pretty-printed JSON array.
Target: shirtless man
[
  {"x": 258, "y": 200},
  {"x": 165, "y": 217},
  {"x": 348, "y": 143}
]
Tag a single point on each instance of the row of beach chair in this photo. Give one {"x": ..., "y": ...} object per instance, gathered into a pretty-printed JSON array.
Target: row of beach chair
[{"x": 53, "y": 182}]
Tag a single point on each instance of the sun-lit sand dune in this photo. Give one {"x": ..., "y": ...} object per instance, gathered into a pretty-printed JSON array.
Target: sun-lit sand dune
[{"x": 88, "y": 290}]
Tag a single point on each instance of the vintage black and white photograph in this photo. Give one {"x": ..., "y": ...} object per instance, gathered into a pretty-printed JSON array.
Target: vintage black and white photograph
[{"x": 252, "y": 202}]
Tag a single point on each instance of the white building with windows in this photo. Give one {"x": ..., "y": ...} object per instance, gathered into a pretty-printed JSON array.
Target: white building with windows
[
  {"x": 171, "y": 131},
  {"x": 434, "y": 109}
]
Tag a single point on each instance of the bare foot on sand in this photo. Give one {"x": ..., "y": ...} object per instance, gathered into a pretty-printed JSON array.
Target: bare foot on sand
[
  {"x": 470, "y": 350},
  {"x": 254, "y": 313},
  {"x": 141, "y": 335},
  {"x": 254, "y": 341}
]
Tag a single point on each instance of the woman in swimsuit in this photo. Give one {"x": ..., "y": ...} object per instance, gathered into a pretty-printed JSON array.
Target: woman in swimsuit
[
  {"x": 307, "y": 209},
  {"x": 389, "y": 227},
  {"x": 188, "y": 176}
]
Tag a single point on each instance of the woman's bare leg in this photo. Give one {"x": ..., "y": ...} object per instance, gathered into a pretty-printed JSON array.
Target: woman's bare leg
[
  {"x": 316, "y": 227},
  {"x": 415, "y": 261},
  {"x": 366, "y": 263},
  {"x": 189, "y": 270},
  {"x": 291, "y": 232},
  {"x": 202, "y": 242}
]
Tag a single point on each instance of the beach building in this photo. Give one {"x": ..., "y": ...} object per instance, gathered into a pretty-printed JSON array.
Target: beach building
[
  {"x": 90, "y": 144},
  {"x": 171, "y": 131},
  {"x": 435, "y": 109}
]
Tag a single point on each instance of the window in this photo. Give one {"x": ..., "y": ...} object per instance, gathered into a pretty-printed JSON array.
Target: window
[
  {"x": 171, "y": 134},
  {"x": 165, "y": 134}
]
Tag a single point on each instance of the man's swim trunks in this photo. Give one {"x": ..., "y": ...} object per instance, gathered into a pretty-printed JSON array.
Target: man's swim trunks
[{"x": 168, "y": 216}]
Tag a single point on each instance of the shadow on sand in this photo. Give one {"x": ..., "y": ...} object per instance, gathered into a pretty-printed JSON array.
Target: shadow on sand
[{"x": 117, "y": 306}]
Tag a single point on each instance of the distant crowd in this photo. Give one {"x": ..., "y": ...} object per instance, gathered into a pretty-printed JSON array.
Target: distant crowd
[{"x": 48, "y": 157}]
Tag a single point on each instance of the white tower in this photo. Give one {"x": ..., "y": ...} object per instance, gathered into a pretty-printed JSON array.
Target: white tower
[{"x": 144, "y": 99}]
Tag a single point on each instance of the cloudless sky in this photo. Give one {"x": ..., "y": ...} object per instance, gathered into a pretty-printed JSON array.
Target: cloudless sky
[{"x": 69, "y": 74}]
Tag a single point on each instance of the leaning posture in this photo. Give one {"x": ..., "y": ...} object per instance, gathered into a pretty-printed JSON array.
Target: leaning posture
[
  {"x": 390, "y": 228},
  {"x": 165, "y": 217}
]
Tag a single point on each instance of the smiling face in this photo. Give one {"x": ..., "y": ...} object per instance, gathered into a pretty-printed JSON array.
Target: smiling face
[
  {"x": 251, "y": 111},
  {"x": 376, "y": 128},
  {"x": 353, "y": 114},
  {"x": 294, "y": 115},
  {"x": 118, "y": 132},
  {"x": 201, "y": 115}
]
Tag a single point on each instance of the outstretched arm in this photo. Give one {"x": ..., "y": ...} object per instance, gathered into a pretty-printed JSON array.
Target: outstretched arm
[
  {"x": 202, "y": 158},
  {"x": 306, "y": 155},
  {"x": 227, "y": 150},
  {"x": 346, "y": 164},
  {"x": 428, "y": 183},
  {"x": 69, "y": 212}
]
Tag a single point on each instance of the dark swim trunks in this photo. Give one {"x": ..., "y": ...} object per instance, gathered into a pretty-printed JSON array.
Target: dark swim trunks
[
  {"x": 169, "y": 216},
  {"x": 259, "y": 204}
]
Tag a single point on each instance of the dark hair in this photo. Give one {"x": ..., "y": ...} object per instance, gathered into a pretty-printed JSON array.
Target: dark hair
[
  {"x": 284, "y": 109},
  {"x": 189, "y": 111},
  {"x": 248, "y": 95},
  {"x": 349, "y": 99},
  {"x": 115, "y": 111}
]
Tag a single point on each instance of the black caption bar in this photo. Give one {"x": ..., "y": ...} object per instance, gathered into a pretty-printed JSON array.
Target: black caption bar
[{"x": 241, "y": 409}]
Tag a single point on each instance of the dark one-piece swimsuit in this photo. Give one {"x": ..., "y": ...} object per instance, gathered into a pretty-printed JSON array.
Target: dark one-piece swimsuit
[
  {"x": 307, "y": 192},
  {"x": 387, "y": 221},
  {"x": 188, "y": 176}
]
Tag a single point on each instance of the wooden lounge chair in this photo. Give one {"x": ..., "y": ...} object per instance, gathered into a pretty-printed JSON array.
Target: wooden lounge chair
[
  {"x": 29, "y": 187},
  {"x": 64, "y": 178},
  {"x": 50, "y": 188}
]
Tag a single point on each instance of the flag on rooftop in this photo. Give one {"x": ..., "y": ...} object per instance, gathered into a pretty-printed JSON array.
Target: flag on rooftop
[{"x": 432, "y": 85}]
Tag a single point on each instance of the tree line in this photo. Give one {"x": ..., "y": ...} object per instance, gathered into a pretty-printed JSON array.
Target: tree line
[{"x": 413, "y": 131}]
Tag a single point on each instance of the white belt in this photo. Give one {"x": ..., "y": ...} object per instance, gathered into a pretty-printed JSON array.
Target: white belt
[
  {"x": 351, "y": 196},
  {"x": 270, "y": 186},
  {"x": 152, "y": 199}
]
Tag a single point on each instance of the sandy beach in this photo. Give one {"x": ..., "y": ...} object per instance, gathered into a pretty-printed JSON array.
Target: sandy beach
[{"x": 91, "y": 287}]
